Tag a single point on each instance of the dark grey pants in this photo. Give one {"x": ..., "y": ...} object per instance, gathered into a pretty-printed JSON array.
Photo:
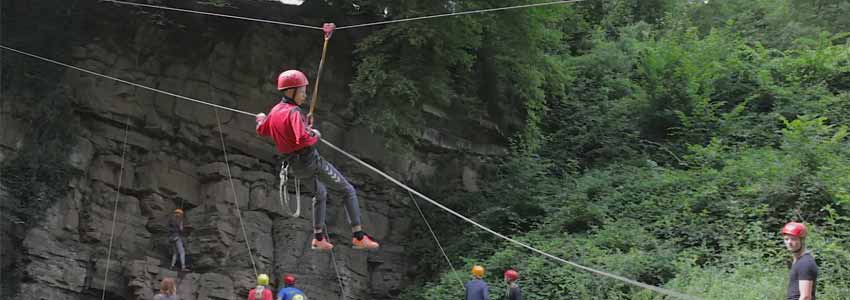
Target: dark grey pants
[
  {"x": 313, "y": 169},
  {"x": 177, "y": 250}
]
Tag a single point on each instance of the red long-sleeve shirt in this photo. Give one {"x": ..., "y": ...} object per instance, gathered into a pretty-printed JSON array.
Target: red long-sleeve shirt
[{"x": 287, "y": 128}]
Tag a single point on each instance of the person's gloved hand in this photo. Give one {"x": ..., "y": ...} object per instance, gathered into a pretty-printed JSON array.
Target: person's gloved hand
[
  {"x": 261, "y": 117},
  {"x": 316, "y": 132}
]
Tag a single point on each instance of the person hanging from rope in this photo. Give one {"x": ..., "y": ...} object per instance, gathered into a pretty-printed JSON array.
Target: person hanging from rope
[
  {"x": 176, "y": 230},
  {"x": 514, "y": 292},
  {"x": 295, "y": 138},
  {"x": 802, "y": 280},
  {"x": 477, "y": 289},
  {"x": 289, "y": 291},
  {"x": 262, "y": 291}
]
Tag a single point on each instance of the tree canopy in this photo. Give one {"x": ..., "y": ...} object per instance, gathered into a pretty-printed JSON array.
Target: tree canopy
[{"x": 665, "y": 141}]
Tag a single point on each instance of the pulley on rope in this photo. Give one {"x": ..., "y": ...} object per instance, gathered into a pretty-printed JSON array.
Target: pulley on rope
[{"x": 328, "y": 28}]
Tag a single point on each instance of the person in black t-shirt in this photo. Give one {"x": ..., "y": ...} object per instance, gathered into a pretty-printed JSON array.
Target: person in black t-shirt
[
  {"x": 514, "y": 292},
  {"x": 802, "y": 280}
]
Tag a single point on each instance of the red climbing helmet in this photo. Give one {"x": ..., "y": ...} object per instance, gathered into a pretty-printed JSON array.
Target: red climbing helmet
[
  {"x": 511, "y": 275},
  {"x": 289, "y": 279},
  {"x": 795, "y": 229},
  {"x": 291, "y": 79}
]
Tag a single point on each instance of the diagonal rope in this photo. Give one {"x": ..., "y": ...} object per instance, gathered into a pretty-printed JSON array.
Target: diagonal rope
[
  {"x": 115, "y": 210},
  {"x": 457, "y": 14},
  {"x": 235, "y": 197},
  {"x": 123, "y": 81},
  {"x": 214, "y": 14},
  {"x": 502, "y": 236},
  {"x": 402, "y": 185},
  {"x": 443, "y": 251}
]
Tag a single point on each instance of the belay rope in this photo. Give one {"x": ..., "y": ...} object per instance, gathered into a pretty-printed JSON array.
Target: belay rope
[{"x": 284, "y": 194}]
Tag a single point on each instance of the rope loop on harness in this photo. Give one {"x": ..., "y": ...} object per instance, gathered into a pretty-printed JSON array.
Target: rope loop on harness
[{"x": 284, "y": 195}]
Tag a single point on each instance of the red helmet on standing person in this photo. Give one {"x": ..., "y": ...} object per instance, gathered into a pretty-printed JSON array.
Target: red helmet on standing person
[
  {"x": 289, "y": 279},
  {"x": 291, "y": 79},
  {"x": 794, "y": 229},
  {"x": 511, "y": 275}
]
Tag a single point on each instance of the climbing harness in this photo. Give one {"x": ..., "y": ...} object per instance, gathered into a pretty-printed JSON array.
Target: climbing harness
[{"x": 284, "y": 195}]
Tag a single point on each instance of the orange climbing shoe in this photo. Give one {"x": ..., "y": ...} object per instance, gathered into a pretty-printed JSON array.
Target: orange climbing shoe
[
  {"x": 322, "y": 245},
  {"x": 364, "y": 244}
]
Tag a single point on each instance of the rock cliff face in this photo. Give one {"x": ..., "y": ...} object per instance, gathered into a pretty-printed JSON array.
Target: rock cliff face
[{"x": 174, "y": 159}]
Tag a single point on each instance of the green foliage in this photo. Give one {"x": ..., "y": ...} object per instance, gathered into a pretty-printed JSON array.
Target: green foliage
[
  {"x": 470, "y": 67},
  {"x": 37, "y": 176},
  {"x": 775, "y": 23},
  {"x": 753, "y": 281},
  {"x": 676, "y": 149}
]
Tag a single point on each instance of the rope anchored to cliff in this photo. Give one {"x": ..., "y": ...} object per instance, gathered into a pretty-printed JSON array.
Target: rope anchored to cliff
[
  {"x": 451, "y": 14},
  {"x": 115, "y": 209},
  {"x": 400, "y": 184},
  {"x": 235, "y": 197}
]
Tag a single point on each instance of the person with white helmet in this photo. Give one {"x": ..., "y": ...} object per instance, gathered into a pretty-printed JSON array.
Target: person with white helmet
[
  {"x": 477, "y": 289},
  {"x": 511, "y": 278},
  {"x": 295, "y": 139},
  {"x": 262, "y": 291},
  {"x": 802, "y": 279}
]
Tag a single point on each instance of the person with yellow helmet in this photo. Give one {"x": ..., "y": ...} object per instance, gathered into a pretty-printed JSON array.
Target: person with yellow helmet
[
  {"x": 262, "y": 291},
  {"x": 175, "y": 238},
  {"x": 477, "y": 289}
]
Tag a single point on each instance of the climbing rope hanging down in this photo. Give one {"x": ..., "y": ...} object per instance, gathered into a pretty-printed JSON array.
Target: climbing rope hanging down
[
  {"x": 235, "y": 197},
  {"x": 333, "y": 258},
  {"x": 443, "y": 251},
  {"x": 402, "y": 185},
  {"x": 115, "y": 209}
]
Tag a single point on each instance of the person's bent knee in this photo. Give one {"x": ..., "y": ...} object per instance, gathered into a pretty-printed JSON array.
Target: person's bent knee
[{"x": 349, "y": 188}]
